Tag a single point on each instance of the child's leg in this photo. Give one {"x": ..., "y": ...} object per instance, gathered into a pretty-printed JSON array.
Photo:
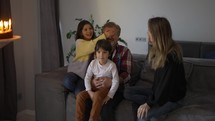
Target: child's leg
[
  {"x": 80, "y": 105},
  {"x": 69, "y": 81},
  {"x": 98, "y": 99}
]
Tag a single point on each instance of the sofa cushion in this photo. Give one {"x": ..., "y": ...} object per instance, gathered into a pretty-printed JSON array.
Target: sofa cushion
[
  {"x": 147, "y": 73},
  {"x": 202, "y": 76},
  {"x": 135, "y": 72},
  {"x": 50, "y": 96},
  {"x": 188, "y": 67},
  {"x": 136, "y": 66}
]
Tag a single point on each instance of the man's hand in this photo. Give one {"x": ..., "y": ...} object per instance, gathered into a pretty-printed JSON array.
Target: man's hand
[
  {"x": 97, "y": 83},
  {"x": 101, "y": 82}
]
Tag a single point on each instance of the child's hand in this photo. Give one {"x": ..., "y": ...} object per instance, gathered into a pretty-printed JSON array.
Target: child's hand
[
  {"x": 106, "y": 100},
  {"x": 109, "y": 32},
  {"x": 91, "y": 93}
]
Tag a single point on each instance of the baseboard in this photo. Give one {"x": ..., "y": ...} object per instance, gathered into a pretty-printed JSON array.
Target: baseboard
[{"x": 26, "y": 112}]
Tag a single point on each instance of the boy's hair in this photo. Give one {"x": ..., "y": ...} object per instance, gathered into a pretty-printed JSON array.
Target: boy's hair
[
  {"x": 80, "y": 28},
  {"x": 104, "y": 44}
]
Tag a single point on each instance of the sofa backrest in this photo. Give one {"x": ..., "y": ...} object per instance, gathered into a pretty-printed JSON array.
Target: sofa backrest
[
  {"x": 207, "y": 50},
  {"x": 200, "y": 74},
  {"x": 196, "y": 49},
  {"x": 190, "y": 49}
]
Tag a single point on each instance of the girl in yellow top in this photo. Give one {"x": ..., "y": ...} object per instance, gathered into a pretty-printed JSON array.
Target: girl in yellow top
[{"x": 85, "y": 44}]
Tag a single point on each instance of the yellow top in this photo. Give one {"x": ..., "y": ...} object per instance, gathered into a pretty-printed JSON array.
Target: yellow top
[{"x": 84, "y": 48}]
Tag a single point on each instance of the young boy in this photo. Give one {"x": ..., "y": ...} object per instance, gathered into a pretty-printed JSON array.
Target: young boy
[{"x": 98, "y": 68}]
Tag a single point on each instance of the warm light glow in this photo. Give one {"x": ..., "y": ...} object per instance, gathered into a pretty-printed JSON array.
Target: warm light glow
[
  {"x": 5, "y": 26},
  {"x": 1, "y": 26}
]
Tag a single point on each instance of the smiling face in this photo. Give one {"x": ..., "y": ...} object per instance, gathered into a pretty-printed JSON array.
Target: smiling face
[
  {"x": 102, "y": 55},
  {"x": 87, "y": 32}
]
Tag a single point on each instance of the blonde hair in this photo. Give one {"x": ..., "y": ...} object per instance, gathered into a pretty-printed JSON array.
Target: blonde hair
[{"x": 162, "y": 44}]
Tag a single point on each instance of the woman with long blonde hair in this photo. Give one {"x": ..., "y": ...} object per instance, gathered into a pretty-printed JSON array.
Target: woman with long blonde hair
[{"x": 169, "y": 85}]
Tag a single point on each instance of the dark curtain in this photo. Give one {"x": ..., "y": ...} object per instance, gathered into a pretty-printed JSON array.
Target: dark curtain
[
  {"x": 8, "y": 89},
  {"x": 51, "y": 45}
]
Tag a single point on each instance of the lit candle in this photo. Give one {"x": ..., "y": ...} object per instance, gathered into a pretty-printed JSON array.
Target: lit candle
[
  {"x": 6, "y": 25},
  {"x": 10, "y": 25},
  {"x": 1, "y": 26},
  {"x": 6, "y": 29}
]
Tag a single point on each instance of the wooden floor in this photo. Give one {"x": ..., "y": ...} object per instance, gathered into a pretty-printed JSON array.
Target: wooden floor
[{"x": 26, "y": 115}]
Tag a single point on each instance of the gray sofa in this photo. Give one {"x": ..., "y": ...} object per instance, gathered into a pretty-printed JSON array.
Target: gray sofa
[
  {"x": 199, "y": 103},
  {"x": 196, "y": 49}
]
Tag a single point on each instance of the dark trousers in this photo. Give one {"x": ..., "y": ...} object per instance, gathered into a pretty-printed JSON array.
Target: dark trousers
[
  {"x": 73, "y": 83},
  {"x": 138, "y": 95},
  {"x": 158, "y": 111}
]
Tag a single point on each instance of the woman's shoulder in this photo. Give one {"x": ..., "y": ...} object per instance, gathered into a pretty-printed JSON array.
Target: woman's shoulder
[{"x": 172, "y": 56}]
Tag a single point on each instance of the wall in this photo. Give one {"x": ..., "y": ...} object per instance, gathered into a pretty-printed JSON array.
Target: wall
[
  {"x": 191, "y": 20},
  {"x": 25, "y": 17}
]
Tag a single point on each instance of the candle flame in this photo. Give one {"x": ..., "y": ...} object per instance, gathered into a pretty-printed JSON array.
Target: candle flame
[{"x": 5, "y": 26}]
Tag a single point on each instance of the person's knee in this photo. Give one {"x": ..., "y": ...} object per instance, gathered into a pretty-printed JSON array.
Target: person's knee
[
  {"x": 66, "y": 80},
  {"x": 69, "y": 82},
  {"x": 77, "y": 90},
  {"x": 97, "y": 98},
  {"x": 80, "y": 97}
]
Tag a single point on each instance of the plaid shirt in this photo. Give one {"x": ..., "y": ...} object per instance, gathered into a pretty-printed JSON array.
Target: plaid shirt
[{"x": 122, "y": 58}]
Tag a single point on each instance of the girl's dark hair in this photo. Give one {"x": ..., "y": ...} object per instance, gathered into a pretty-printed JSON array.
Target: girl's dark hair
[
  {"x": 80, "y": 28},
  {"x": 104, "y": 44}
]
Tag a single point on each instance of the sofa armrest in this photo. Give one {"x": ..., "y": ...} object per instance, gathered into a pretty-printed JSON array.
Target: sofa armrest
[{"x": 49, "y": 99}]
